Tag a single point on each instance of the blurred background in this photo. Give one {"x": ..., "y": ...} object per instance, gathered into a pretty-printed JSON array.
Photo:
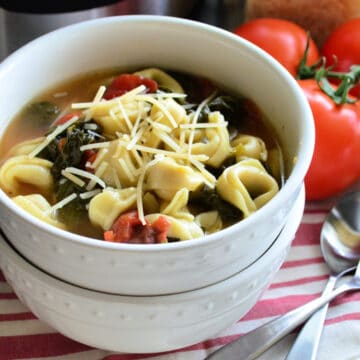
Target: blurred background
[{"x": 22, "y": 21}]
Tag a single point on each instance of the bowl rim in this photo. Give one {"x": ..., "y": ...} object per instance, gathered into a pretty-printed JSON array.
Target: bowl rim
[{"x": 291, "y": 185}]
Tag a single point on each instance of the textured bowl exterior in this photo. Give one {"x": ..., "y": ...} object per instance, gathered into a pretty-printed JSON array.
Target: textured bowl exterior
[
  {"x": 135, "y": 41},
  {"x": 168, "y": 322}
]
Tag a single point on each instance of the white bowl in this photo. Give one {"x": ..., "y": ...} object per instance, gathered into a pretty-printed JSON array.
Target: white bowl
[
  {"x": 185, "y": 46},
  {"x": 168, "y": 322}
]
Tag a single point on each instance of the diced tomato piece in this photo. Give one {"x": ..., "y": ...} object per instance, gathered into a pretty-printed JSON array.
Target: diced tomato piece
[
  {"x": 109, "y": 235},
  {"x": 126, "y": 82},
  {"x": 61, "y": 144},
  {"x": 66, "y": 118},
  {"x": 129, "y": 229},
  {"x": 88, "y": 158},
  {"x": 161, "y": 227}
]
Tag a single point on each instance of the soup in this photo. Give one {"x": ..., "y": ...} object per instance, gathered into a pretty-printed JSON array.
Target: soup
[{"x": 150, "y": 156}]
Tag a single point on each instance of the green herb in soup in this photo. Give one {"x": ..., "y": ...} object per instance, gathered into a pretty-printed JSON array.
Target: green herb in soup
[{"x": 150, "y": 156}]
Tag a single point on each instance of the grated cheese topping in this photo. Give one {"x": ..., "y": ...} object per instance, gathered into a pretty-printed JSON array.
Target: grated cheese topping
[
  {"x": 62, "y": 203},
  {"x": 73, "y": 178},
  {"x": 139, "y": 187},
  {"x": 85, "y": 174},
  {"x": 195, "y": 120},
  {"x": 89, "y": 194},
  {"x": 48, "y": 139},
  {"x": 142, "y": 124}
]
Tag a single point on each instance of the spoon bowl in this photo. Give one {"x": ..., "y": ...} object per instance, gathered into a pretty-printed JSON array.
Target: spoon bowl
[{"x": 340, "y": 235}]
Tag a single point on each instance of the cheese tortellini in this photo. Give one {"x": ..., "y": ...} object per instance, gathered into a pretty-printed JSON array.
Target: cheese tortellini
[
  {"x": 215, "y": 142},
  {"x": 179, "y": 228},
  {"x": 105, "y": 207},
  {"x": 167, "y": 177},
  {"x": 38, "y": 206},
  {"x": 21, "y": 171},
  {"x": 171, "y": 162},
  {"x": 247, "y": 185}
]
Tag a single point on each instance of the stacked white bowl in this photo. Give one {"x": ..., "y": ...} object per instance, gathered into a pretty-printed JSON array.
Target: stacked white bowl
[{"x": 108, "y": 294}]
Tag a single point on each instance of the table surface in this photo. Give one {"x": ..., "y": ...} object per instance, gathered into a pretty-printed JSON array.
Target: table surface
[{"x": 301, "y": 278}]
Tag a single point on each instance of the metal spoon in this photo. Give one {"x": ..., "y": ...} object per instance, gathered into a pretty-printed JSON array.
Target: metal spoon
[
  {"x": 344, "y": 222},
  {"x": 341, "y": 251}
]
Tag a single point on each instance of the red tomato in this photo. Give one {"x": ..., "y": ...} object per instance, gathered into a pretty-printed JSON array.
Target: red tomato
[
  {"x": 344, "y": 43},
  {"x": 335, "y": 164},
  {"x": 282, "y": 39},
  {"x": 126, "y": 82}
]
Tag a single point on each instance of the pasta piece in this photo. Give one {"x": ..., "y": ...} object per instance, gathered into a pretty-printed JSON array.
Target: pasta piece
[
  {"x": 39, "y": 207},
  {"x": 179, "y": 228},
  {"x": 215, "y": 142},
  {"x": 26, "y": 147},
  {"x": 166, "y": 177},
  {"x": 249, "y": 146},
  {"x": 177, "y": 207},
  {"x": 164, "y": 80},
  {"x": 150, "y": 203},
  {"x": 247, "y": 186},
  {"x": 151, "y": 140},
  {"x": 106, "y": 207},
  {"x": 210, "y": 221},
  {"x": 21, "y": 172}
]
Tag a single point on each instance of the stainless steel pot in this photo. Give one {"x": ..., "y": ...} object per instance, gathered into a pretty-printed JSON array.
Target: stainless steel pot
[{"x": 22, "y": 21}]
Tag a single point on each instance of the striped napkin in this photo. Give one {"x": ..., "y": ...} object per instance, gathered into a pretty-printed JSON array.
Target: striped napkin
[{"x": 301, "y": 279}]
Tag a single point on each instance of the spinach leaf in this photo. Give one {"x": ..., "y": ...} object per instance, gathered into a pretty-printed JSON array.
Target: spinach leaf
[
  {"x": 74, "y": 212},
  {"x": 217, "y": 171},
  {"x": 64, "y": 150},
  {"x": 208, "y": 199}
]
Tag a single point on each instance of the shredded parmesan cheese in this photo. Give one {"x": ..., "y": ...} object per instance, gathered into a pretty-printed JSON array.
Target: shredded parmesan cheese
[
  {"x": 128, "y": 172},
  {"x": 157, "y": 103},
  {"x": 125, "y": 97},
  {"x": 203, "y": 125},
  {"x": 209, "y": 178},
  {"x": 96, "y": 178},
  {"x": 139, "y": 187},
  {"x": 158, "y": 125},
  {"x": 62, "y": 203},
  {"x": 136, "y": 138},
  {"x": 90, "y": 126},
  {"x": 72, "y": 178},
  {"x": 99, "y": 158},
  {"x": 195, "y": 119},
  {"x": 85, "y": 174},
  {"x": 89, "y": 194},
  {"x": 100, "y": 93},
  {"x": 94, "y": 146},
  {"x": 172, "y": 154},
  {"x": 167, "y": 140},
  {"x": 58, "y": 130}
]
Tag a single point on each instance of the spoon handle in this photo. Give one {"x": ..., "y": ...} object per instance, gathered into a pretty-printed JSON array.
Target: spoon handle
[
  {"x": 307, "y": 342},
  {"x": 256, "y": 342}
]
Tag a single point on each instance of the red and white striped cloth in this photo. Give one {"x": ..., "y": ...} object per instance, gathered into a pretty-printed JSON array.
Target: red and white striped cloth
[{"x": 301, "y": 279}]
